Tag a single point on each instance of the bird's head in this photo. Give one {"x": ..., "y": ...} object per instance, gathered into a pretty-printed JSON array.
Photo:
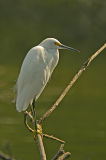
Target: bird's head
[{"x": 52, "y": 43}]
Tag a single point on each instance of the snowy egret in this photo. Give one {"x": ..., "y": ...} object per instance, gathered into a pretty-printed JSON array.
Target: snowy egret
[{"x": 35, "y": 72}]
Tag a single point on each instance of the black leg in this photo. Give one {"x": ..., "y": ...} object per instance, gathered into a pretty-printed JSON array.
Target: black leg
[{"x": 34, "y": 114}]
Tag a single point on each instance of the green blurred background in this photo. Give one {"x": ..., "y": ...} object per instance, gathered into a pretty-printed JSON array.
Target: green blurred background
[{"x": 80, "y": 119}]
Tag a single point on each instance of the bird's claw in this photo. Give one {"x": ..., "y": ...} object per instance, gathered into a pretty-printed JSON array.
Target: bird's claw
[{"x": 38, "y": 131}]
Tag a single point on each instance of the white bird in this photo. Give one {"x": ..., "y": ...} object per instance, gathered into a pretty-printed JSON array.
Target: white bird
[{"x": 36, "y": 70}]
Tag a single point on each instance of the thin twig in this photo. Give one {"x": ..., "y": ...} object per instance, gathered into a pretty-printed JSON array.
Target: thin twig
[
  {"x": 61, "y": 154},
  {"x": 64, "y": 156},
  {"x": 4, "y": 156},
  {"x": 85, "y": 65},
  {"x": 54, "y": 138},
  {"x": 27, "y": 114}
]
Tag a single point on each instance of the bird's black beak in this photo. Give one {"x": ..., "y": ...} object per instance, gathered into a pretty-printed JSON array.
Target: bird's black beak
[{"x": 62, "y": 46}]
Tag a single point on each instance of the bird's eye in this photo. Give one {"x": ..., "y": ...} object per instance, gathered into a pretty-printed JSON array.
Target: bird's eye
[{"x": 57, "y": 43}]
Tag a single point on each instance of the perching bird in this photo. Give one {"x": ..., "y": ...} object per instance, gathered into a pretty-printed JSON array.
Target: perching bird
[{"x": 35, "y": 72}]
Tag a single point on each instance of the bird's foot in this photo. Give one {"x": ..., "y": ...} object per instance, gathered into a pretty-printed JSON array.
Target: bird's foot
[{"x": 38, "y": 131}]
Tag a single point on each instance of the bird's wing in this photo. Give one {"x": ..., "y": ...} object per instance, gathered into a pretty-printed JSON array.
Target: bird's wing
[{"x": 33, "y": 77}]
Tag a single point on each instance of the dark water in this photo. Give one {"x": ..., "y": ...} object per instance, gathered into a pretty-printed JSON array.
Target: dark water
[{"x": 80, "y": 119}]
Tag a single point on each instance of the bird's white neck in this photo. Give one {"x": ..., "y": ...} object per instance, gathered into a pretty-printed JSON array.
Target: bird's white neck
[{"x": 52, "y": 58}]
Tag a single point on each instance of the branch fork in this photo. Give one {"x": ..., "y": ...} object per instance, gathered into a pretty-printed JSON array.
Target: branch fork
[{"x": 28, "y": 115}]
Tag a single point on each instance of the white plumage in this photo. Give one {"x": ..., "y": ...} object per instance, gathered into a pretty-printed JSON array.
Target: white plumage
[{"x": 36, "y": 70}]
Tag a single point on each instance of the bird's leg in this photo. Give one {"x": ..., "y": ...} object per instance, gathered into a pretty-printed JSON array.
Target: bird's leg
[
  {"x": 37, "y": 127},
  {"x": 34, "y": 114}
]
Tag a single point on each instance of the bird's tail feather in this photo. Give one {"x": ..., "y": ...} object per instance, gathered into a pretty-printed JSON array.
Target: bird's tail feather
[{"x": 21, "y": 103}]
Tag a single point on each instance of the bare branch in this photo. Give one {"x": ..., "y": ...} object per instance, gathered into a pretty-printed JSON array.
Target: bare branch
[
  {"x": 27, "y": 114},
  {"x": 54, "y": 138},
  {"x": 85, "y": 65},
  {"x": 4, "y": 156},
  {"x": 38, "y": 136},
  {"x": 41, "y": 147},
  {"x": 64, "y": 156},
  {"x": 61, "y": 155}
]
